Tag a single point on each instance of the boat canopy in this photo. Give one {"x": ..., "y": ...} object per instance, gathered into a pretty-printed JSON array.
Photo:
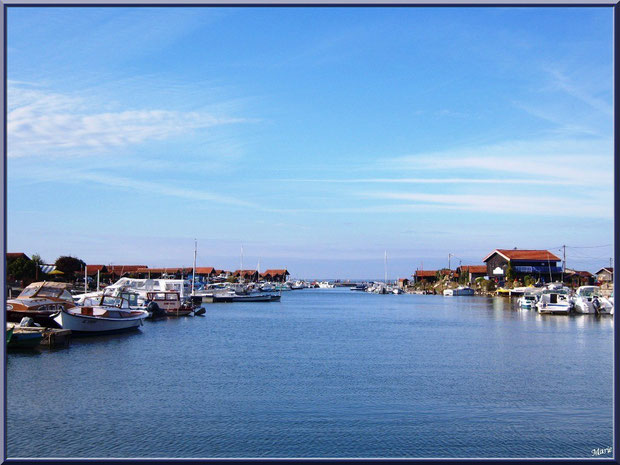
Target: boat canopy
[{"x": 46, "y": 289}]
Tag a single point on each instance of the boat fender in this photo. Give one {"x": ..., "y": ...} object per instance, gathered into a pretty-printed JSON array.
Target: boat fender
[{"x": 26, "y": 322}]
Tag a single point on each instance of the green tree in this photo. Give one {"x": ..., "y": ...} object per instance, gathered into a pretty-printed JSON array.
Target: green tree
[
  {"x": 510, "y": 274},
  {"x": 464, "y": 276},
  {"x": 69, "y": 266},
  {"x": 38, "y": 261},
  {"x": 22, "y": 269}
]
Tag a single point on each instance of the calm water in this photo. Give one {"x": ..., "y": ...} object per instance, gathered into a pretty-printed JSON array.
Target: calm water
[{"x": 324, "y": 373}]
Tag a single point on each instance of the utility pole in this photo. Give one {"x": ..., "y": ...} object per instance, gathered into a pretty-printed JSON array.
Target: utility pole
[
  {"x": 563, "y": 262},
  {"x": 194, "y": 269}
]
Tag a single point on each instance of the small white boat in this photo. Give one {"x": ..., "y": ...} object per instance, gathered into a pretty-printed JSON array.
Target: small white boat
[
  {"x": 554, "y": 301},
  {"x": 588, "y": 299},
  {"x": 527, "y": 301},
  {"x": 461, "y": 290},
  {"x": 103, "y": 315}
]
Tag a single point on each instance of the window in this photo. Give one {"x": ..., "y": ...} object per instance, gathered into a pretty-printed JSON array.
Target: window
[{"x": 48, "y": 292}]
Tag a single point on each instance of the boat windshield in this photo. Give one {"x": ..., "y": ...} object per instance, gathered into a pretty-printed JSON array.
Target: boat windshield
[
  {"x": 112, "y": 301},
  {"x": 588, "y": 291},
  {"x": 130, "y": 297},
  {"x": 49, "y": 292},
  {"x": 28, "y": 292}
]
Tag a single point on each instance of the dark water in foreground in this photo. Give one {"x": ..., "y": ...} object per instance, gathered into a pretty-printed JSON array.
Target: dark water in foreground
[{"x": 324, "y": 373}]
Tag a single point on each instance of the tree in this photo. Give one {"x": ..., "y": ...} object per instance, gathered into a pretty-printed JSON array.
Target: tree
[
  {"x": 22, "y": 269},
  {"x": 69, "y": 265},
  {"x": 464, "y": 276},
  {"x": 38, "y": 261},
  {"x": 510, "y": 274},
  {"x": 528, "y": 280}
]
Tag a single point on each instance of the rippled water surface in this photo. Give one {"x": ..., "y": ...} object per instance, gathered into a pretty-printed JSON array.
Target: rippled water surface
[{"x": 323, "y": 373}]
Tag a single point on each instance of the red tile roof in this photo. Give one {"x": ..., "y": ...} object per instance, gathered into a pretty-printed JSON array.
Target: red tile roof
[
  {"x": 475, "y": 268},
  {"x": 14, "y": 255},
  {"x": 205, "y": 270},
  {"x": 518, "y": 254},
  {"x": 124, "y": 268},
  {"x": 425, "y": 273},
  {"x": 93, "y": 269},
  {"x": 607, "y": 268},
  {"x": 163, "y": 270},
  {"x": 245, "y": 273},
  {"x": 275, "y": 272}
]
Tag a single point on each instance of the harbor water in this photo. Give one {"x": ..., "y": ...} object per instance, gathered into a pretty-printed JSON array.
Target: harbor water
[{"x": 323, "y": 373}]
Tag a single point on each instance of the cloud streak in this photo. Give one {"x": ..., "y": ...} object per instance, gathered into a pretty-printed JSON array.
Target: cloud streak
[
  {"x": 503, "y": 204},
  {"x": 41, "y": 123}
]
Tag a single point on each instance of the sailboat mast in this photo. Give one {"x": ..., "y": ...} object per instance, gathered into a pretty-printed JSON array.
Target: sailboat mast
[
  {"x": 85, "y": 279},
  {"x": 194, "y": 270},
  {"x": 385, "y": 268}
]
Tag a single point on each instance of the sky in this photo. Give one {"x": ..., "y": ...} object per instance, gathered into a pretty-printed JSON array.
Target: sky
[{"x": 316, "y": 139}]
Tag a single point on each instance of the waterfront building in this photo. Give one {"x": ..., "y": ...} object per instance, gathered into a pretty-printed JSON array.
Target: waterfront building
[
  {"x": 429, "y": 276},
  {"x": 541, "y": 265},
  {"x": 473, "y": 271},
  {"x": 275, "y": 275},
  {"x": 605, "y": 275},
  {"x": 576, "y": 278},
  {"x": 118, "y": 271},
  {"x": 10, "y": 256},
  {"x": 246, "y": 275}
]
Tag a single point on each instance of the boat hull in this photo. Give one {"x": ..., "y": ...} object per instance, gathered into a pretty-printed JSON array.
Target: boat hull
[
  {"x": 85, "y": 324},
  {"x": 44, "y": 319},
  {"x": 553, "y": 309},
  {"x": 25, "y": 340},
  {"x": 179, "y": 312}
]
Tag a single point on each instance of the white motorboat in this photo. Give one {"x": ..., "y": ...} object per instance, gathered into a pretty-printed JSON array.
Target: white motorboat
[
  {"x": 266, "y": 287},
  {"x": 588, "y": 299},
  {"x": 104, "y": 314},
  {"x": 461, "y": 290},
  {"x": 326, "y": 285},
  {"x": 139, "y": 286},
  {"x": 527, "y": 301},
  {"x": 554, "y": 301}
]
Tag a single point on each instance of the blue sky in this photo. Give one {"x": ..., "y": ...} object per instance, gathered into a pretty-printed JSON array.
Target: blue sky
[{"x": 316, "y": 138}]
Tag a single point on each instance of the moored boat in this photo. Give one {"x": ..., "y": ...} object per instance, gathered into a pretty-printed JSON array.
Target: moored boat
[
  {"x": 461, "y": 290},
  {"x": 588, "y": 299},
  {"x": 104, "y": 315},
  {"x": 170, "y": 303},
  {"x": 40, "y": 301},
  {"x": 554, "y": 301},
  {"x": 527, "y": 301},
  {"x": 24, "y": 339}
]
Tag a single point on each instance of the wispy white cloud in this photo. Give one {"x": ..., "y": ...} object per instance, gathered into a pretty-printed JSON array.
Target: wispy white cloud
[
  {"x": 430, "y": 181},
  {"x": 166, "y": 189},
  {"x": 575, "y": 161},
  {"x": 41, "y": 122},
  {"x": 565, "y": 84},
  {"x": 527, "y": 205}
]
